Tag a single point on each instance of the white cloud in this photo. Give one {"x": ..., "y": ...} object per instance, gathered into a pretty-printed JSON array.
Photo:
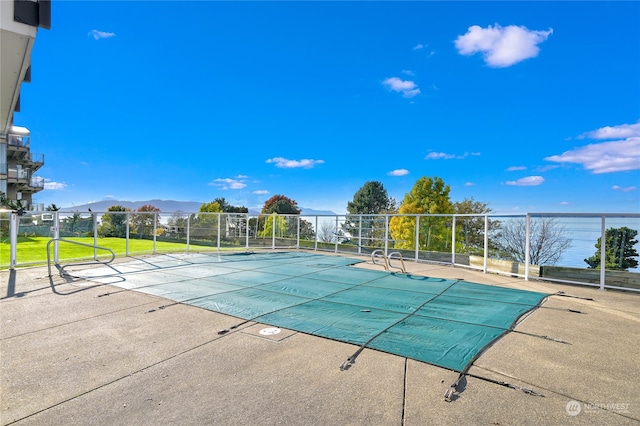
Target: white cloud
[
  {"x": 445, "y": 156},
  {"x": 260, "y": 192},
  {"x": 97, "y": 35},
  {"x": 227, "y": 183},
  {"x": 439, "y": 156},
  {"x": 408, "y": 88},
  {"x": 49, "y": 184},
  {"x": 606, "y": 157},
  {"x": 418, "y": 46},
  {"x": 398, "y": 172},
  {"x": 564, "y": 203},
  {"x": 516, "y": 168},
  {"x": 407, "y": 72},
  {"x": 627, "y": 189},
  {"x": 501, "y": 46},
  {"x": 285, "y": 163},
  {"x": 616, "y": 132},
  {"x": 469, "y": 184},
  {"x": 527, "y": 181}
]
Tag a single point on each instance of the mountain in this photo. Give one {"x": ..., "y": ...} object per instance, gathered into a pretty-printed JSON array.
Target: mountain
[{"x": 170, "y": 206}]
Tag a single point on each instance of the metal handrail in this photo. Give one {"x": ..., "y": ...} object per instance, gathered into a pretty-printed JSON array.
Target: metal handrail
[
  {"x": 379, "y": 254},
  {"x": 93, "y": 246},
  {"x": 399, "y": 256}
]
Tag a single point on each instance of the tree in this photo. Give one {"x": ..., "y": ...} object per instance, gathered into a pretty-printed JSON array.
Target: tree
[
  {"x": 76, "y": 225},
  {"x": 205, "y": 224},
  {"x": 274, "y": 220},
  {"x": 327, "y": 231},
  {"x": 281, "y": 205},
  {"x": 52, "y": 208},
  {"x": 278, "y": 204},
  {"x": 548, "y": 240},
  {"x": 428, "y": 196},
  {"x": 470, "y": 229},
  {"x": 177, "y": 225},
  {"x": 619, "y": 250},
  {"x": 306, "y": 230},
  {"x": 370, "y": 199},
  {"x": 228, "y": 208},
  {"x": 114, "y": 222},
  {"x": 144, "y": 218}
]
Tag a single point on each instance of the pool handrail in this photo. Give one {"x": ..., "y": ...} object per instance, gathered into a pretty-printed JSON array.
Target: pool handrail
[{"x": 113, "y": 255}]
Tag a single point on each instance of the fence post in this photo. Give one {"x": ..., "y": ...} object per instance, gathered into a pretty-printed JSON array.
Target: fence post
[
  {"x": 335, "y": 245},
  {"x": 273, "y": 231},
  {"x": 155, "y": 228},
  {"x": 13, "y": 239},
  {"x": 359, "y": 234},
  {"x": 126, "y": 235},
  {"x": 188, "y": 229},
  {"x": 453, "y": 240},
  {"x": 219, "y": 220},
  {"x": 94, "y": 218},
  {"x": 298, "y": 239},
  {"x": 56, "y": 236},
  {"x": 527, "y": 245},
  {"x": 603, "y": 251},
  {"x": 246, "y": 237},
  {"x": 386, "y": 235},
  {"x": 417, "y": 246},
  {"x": 486, "y": 244}
]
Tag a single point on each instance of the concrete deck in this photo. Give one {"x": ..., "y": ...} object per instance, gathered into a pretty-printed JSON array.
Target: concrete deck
[{"x": 81, "y": 353}]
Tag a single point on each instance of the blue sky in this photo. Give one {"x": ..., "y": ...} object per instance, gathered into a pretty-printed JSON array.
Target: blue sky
[{"x": 530, "y": 107}]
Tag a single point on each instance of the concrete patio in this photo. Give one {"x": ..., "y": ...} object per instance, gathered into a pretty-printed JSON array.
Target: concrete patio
[{"x": 85, "y": 353}]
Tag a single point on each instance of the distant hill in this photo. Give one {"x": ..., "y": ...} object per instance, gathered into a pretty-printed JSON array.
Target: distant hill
[{"x": 168, "y": 206}]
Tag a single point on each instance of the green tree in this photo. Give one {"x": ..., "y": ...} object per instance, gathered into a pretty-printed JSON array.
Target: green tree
[
  {"x": 228, "y": 208},
  {"x": 76, "y": 225},
  {"x": 619, "y": 251},
  {"x": 113, "y": 224},
  {"x": 279, "y": 204},
  {"x": 428, "y": 196},
  {"x": 143, "y": 219},
  {"x": 470, "y": 229},
  {"x": 370, "y": 199},
  {"x": 274, "y": 220},
  {"x": 205, "y": 224},
  {"x": 52, "y": 208}
]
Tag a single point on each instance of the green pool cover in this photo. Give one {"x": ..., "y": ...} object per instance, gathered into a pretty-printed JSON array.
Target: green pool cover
[{"x": 441, "y": 322}]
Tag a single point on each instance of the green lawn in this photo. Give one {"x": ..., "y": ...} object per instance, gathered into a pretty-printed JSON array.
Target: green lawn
[{"x": 34, "y": 249}]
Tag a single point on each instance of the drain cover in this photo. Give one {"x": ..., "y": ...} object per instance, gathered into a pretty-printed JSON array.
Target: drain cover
[{"x": 270, "y": 331}]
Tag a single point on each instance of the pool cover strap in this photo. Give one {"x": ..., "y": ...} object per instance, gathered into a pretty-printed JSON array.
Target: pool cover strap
[{"x": 352, "y": 359}]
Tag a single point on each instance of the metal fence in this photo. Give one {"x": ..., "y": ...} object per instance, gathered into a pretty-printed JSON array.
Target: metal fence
[{"x": 546, "y": 246}]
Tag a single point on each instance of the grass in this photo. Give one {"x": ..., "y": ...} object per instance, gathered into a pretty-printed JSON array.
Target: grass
[{"x": 33, "y": 250}]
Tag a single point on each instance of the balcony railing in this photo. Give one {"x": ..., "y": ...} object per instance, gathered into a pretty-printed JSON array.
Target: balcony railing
[
  {"x": 30, "y": 157},
  {"x": 18, "y": 141},
  {"x": 20, "y": 174}
]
